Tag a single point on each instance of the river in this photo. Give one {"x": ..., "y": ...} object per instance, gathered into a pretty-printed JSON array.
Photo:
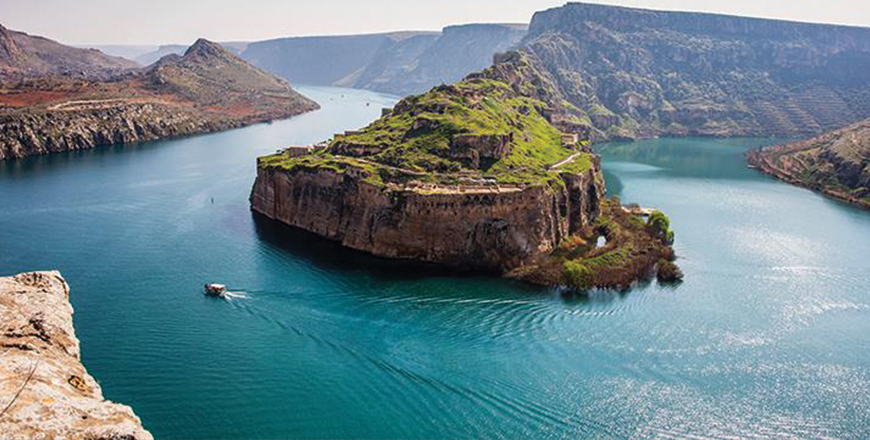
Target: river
[{"x": 769, "y": 335}]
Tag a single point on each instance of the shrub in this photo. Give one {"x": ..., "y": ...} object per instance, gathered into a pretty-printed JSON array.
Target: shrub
[
  {"x": 661, "y": 226},
  {"x": 577, "y": 275}
]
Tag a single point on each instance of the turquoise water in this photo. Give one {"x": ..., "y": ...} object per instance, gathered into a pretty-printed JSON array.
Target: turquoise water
[{"x": 769, "y": 335}]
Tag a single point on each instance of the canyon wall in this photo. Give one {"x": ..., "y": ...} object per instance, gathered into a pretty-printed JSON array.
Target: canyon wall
[
  {"x": 634, "y": 73},
  {"x": 478, "y": 228},
  {"x": 45, "y": 390}
]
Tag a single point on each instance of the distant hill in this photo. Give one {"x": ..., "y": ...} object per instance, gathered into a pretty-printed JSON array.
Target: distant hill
[
  {"x": 399, "y": 63},
  {"x": 23, "y": 54},
  {"x": 835, "y": 163},
  {"x": 631, "y": 73},
  {"x": 320, "y": 60},
  {"x": 415, "y": 65},
  {"x": 206, "y": 89},
  {"x": 150, "y": 57},
  {"x": 128, "y": 51}
]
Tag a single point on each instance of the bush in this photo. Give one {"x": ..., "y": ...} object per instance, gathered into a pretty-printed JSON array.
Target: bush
[
  {"x": 577, "y": 275},
  {"x": 661, "y": 226}
]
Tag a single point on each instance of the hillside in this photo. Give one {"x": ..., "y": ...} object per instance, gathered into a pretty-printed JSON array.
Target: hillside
[
  {"x": 836, "y": 163},
  {"x": 25, "y": 55},
  {"x": 206, "y": 89},
  {"x": 638, "y": 73}
]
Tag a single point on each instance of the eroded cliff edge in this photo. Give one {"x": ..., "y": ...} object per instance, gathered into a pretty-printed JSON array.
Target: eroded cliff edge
[
  {"x": 45, "y": 390},
  {"x": 491, "y": 228}
]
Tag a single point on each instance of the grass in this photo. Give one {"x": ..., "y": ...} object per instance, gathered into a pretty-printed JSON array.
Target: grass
[{"x": 418, "y": 136}]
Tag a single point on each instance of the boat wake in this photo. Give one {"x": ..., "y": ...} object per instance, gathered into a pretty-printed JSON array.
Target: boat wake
[{"x": 229, "y": 296}]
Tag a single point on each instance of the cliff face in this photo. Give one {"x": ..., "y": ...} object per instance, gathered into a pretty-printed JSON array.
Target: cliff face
[
  {"x": 41, "y": 369},
  {"x": 45, "y": 132},
  {"x": 639, "y": 73},
  {"x": 207, "y": 89},
  {"x": 484, "y": 229},
  {"x": 836, "y": 163}
]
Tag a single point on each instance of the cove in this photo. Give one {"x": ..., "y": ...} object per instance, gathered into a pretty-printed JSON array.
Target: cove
[{"x": 769, "y": 334}]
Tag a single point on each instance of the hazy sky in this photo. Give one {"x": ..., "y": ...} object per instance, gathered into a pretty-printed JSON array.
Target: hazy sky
[{"x": 182, "y": 21}]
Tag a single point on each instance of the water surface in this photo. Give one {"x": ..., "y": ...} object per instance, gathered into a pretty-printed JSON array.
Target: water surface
[{"x": 769, "y": 335}]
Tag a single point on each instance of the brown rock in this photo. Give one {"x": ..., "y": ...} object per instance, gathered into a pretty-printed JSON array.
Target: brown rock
[{"x": 45, "y": 391}]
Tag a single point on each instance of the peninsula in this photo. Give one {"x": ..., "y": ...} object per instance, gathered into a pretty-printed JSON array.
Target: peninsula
[{"x": 484, "y": 174}]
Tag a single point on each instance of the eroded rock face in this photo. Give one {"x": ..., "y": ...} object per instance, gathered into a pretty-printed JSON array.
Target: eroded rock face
[
  {"x": 41, "y": 369},
  {"x": 477, "y": 228}
]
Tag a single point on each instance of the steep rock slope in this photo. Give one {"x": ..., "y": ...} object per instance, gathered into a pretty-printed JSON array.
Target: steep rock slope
[
  {"x": 206, "y": 89},
  {"x": 23, "y": 54},
  {"x": 640, "y": 73},
  {"x": 41, "y": 369},
  {"x": 836, "y": 163}
]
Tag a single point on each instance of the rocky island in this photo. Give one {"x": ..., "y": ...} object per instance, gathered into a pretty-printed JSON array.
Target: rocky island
[
  {"x": 45, "y": 390},
  {"x": 836, "y": 164},
  {"x": 50, "y": 103},
  {"x": 485, "y": 174}
]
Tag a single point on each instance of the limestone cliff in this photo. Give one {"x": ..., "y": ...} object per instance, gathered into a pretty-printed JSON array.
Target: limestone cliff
[
  {"x": 45, "y": 391},
  {"x": 484, "y": 228}
]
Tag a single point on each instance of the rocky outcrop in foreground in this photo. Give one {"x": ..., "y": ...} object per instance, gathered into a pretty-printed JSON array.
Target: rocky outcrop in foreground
[{"x": 45, "y": 391}]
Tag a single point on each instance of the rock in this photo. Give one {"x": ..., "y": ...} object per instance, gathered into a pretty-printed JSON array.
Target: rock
[
  {"x": 668, "y": 273},
  {"x": 39, "y": 356}
]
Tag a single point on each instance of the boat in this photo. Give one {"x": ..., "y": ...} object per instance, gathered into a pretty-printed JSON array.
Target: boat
[{"x": 212, "y": 289}]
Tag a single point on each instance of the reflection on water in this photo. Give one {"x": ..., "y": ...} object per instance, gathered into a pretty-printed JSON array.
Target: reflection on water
[{"x": 767, "y": 337}]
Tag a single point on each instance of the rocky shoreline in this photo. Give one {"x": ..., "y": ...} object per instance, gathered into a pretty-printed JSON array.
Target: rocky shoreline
[
  {"x": 46, "y": 392},
  {"x": 762, "y": 159}
]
